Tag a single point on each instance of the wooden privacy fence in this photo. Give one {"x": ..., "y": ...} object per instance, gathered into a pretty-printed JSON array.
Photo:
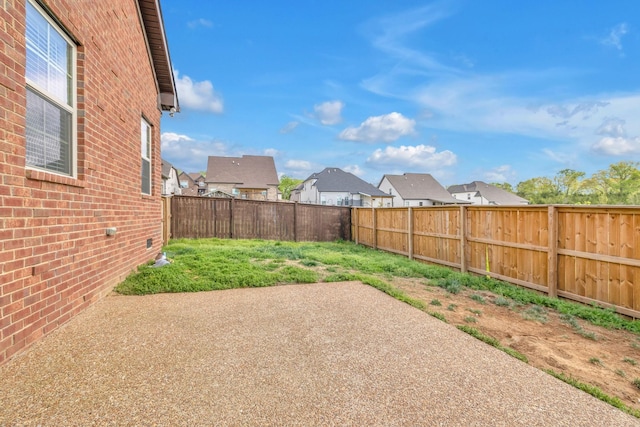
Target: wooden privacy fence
[
  {"x": 584, "y": 253},
  {"x": 204, "y": 217}
]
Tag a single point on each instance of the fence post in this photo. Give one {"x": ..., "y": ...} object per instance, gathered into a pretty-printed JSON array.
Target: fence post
[
  {"x": 231, "y": 223},
  {"x": 356, "y": 221},
  {"x": 410, "y": 231},
  {"x": 463, "y": 238},
  {"x": 552, "y": 261},
  {"x": 375, "y": 228},
  {"x": 295, "y": 221},
  {"x": 215, "y": 217}
]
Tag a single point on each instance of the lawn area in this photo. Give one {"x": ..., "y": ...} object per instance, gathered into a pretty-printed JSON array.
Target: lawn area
[{"x": 215, "y": 264}]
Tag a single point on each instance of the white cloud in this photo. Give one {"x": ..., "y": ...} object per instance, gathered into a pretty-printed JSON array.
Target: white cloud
[
  {"x": 518, "y": 102},
  {"x": 567, "y": 112},
  {"x": 421, "y": 156},
  {"x": 386, "y": 128},
  {"x": 270, "y": 152},
  {"x": 614, "y": 38},
  {"x": 329, "y": 113},
  {"x": 189, "y": 154},
  {"x": 298, "y": 164},
  {"x": 289, "y": 127},
  {"x": 612, "y": 126},
  {"x": 615, "y": 141},
  {"x": 198, "y": 95},
  {"x": 502, "y": 173},
  {"x": 354, "y": 169},
  {"x": 559, "y": 157},
  {"x": 169, "y": 138},
  {"x": 299, "y": 168},
  {"x": 617, "y": 146},
  {"x": 200, "y": 23}
]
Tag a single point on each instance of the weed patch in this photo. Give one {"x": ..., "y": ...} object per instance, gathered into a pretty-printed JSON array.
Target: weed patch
[
  {"x": 493, "y": 342},
  {"x": 595, "y": 392}
]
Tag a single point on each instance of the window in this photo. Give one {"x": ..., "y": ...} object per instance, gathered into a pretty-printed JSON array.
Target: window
[
  {"x": 184, "y": 184},
  {"x": 145, "y": 147},
  {"x": 50, "y": 77}
]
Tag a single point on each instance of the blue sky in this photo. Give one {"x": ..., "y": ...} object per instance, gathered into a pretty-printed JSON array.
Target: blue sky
[{"x": 492, "y": 90}]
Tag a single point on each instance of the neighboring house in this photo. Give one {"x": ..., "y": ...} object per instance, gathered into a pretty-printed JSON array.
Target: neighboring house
[
  {"x": 83, "y": 86},
  {"x": 481, "y": 193},
  {"x": 334, "y": 186},
  {"x": 185, "y": 180},
  {"x": 192, "y": 184},
  {"x": 246, "y": 177},
  {"x": 170, "y": 184},
  {"x": 415, "y": 189}
]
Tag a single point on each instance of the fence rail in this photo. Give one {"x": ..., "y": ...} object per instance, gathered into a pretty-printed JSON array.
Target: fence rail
[
  {"x": 204, "y": 217},
  {"x": 588, "y": 254}
]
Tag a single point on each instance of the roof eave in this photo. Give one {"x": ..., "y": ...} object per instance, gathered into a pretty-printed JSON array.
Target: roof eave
[{"x": 158, "y": 48}]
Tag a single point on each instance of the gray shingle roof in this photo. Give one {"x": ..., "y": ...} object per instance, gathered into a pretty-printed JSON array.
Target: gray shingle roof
[
  {"x": 244, "y": 172},
  {"x": 166, "y": 168},
  {"x": 490, "y": 192},
  {"x": 335, "y": 179},
  {"x": 420, "y": 186}
]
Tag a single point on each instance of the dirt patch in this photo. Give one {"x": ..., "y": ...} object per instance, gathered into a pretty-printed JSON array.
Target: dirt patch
[{"x": 608, "y": 359}]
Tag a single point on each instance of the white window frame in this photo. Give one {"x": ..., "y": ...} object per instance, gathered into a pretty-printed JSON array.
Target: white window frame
[
  {"x": 70, "y": 105},
  {"x": 146, "y": 155}
]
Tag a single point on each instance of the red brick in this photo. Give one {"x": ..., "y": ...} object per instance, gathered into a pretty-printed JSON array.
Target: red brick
[{"x": 52, "y": 241}]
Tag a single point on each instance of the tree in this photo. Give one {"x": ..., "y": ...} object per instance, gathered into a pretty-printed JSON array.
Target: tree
[
  {"x": 287, "y": 184},
  {"x": 618, "y": 185},
  {"x": 568, "y": 185},
  {"x": 504, "y": 185},
  {"x": 539, "y": 190}
]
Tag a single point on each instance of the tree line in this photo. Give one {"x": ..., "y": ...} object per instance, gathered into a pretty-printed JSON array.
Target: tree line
[{"x": 617, "y": 185}]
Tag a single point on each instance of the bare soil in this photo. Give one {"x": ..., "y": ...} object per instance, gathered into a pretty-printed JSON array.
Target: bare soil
[{"x": 611, "y": 361}]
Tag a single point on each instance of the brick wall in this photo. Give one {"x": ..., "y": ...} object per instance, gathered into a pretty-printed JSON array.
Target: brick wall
[{"x": 55, "y": 257}]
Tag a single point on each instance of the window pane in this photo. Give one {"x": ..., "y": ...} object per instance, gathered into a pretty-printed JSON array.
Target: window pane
[
  {"x": 146, "y": 176},
  {"x": 48, "y": 57},
  {"x": 48, "y": 135},
  {"x": 145, "y": 152}
]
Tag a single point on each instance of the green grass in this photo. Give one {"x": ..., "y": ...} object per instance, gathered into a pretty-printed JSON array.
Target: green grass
[
  {"x": 630, "y": 361},
  {"x": 470, "y": 319},
  {"x": 535, "y": 313},
  {"x": 573, "y": 322},
  {"x": 595, "y": 392},
  {"x": 478, "y": 298},
  {"x": 438, "y": 316},
  {"x": 211, "y": 264},
  {"x": 593, "y": 314},
  {"x": 595, "y": 361},
  {"x": 501, "y": 301},
  {"x": 493, "y": 342},
  {"x": 435, "y": 302}
]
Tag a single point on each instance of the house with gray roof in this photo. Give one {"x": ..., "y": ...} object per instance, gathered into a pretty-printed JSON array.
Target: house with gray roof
[
  {"x": 333, "y": 186},
  {"x": 246, "y": 177},
  {"x": 481, "y": 193},
  {"x": 170, "y": 184},
  {"x": 415, "y": 189}
]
